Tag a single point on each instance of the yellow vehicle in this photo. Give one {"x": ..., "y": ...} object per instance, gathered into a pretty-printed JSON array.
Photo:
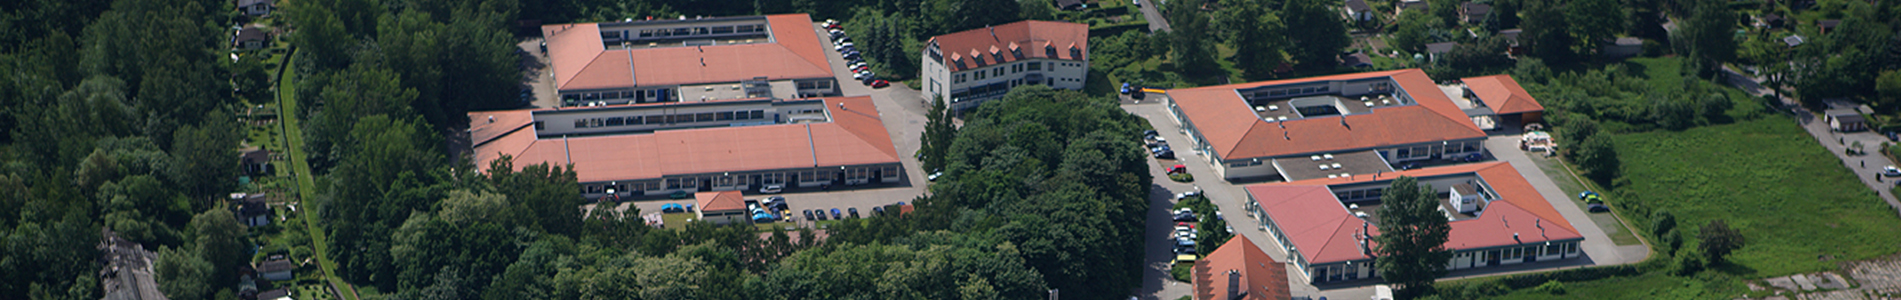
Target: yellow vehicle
[{"x": 1184, "y": 258}]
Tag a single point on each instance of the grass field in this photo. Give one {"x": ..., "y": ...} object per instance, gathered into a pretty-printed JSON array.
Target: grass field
[
  {"x": 1654, "y": 285},
  {"x": 1800, "y": 210}
]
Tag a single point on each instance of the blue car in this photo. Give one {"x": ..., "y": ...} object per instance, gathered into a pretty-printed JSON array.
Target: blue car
[
  {"x": 672, "y": 208},
  {"x": 837, "y": 215}
]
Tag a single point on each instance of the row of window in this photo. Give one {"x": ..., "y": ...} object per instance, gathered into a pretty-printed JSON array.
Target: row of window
[
  {"x": 654, "y": 94},
  {"x": 669, "y": 119},
  {"x": 1013, "y": 69},
  {"x": 722, "y": 181},
  {"x": 688, "y": 31},
  {"x": 815, "y": 85},
  {"x": 1358, "y": 195},
  {"x": 1429, "y": 150}
]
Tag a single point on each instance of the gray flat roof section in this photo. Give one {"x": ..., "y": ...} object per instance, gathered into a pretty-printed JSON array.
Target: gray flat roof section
[{"x": 1360, "y": 163}]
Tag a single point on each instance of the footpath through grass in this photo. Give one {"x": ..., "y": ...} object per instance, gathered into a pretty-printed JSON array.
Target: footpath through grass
[
  {"x": 1799, "y": 208},
  {"x": 300, "y": 167}
]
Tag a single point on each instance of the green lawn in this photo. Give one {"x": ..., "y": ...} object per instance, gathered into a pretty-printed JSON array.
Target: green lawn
[
  {"x": 1654, "y": 285},
  {"x": 294, "y": 138},
  {"x": 1799, "y": 208}
]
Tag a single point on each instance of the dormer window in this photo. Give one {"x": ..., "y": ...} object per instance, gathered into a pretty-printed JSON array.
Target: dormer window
[
  {"x": 1049, "y": 50},
  {"x": 957, "y": 59},
  {"x": 1016, "y": 51},
  {"x": 977, "y": 56},
  {"x": 1075, "y": 53},
  {"x": 994, "y": 53}
]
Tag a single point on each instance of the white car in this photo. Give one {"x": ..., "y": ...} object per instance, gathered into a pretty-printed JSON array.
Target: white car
[
  {"x": 1190, "y": 234},
  {"x": 772, "y": 189},
  {"x": 1891, "y": 171},
  {"x": 934, "y": 176},
  {"x": 842, "y": 46}
]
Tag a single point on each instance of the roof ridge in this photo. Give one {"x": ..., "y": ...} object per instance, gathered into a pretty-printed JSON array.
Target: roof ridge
[{"x": 563, "y": 82}]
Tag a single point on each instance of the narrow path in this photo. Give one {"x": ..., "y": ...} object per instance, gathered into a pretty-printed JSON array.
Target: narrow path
[
  {"x": 300, "y": 169},
  {"x": 1151, "y": 11}
]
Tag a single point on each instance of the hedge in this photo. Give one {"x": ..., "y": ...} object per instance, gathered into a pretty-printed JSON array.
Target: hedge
[{"x": 1115, "y": 30}]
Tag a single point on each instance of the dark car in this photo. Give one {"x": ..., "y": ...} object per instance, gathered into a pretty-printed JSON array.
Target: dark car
[
  {"x": 679, "y": 195},
  {"x": 877, "y": 211},
  {"x": 1409, "y": 166},
  {"x": 808, "y": 215},
  {"x": 1598, "y": 207},
  {"x": 1472, "y": 157},
  {"x": 853, "y": 211},
  {"x": 1165, "y": 154},
  {"x": 836, "y": 214},
  {"x": 1149, "y": 133},
  {"x": 1186, "y": 217}
]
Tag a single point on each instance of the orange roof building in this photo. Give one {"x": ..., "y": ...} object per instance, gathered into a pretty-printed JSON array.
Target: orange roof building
[
  {"x": 1239, "y": 270},
  {"x": 1505, "y": 98},
  {"x": 971, "y": 66},
  {"x": 661, "y": 148},
  {"x": 723, "y": 207},
  {"x": 645, "y": 61},
  {"x": 1321, "y": 127},
  {"x": 1328, "y": 225}
]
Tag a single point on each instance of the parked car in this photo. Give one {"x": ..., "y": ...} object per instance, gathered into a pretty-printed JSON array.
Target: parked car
[
  {"x": 880, "y": 83},
  {"x": 1178, "y": 169},
  {"x": 672, "y": 208},
  {"x": 808, "y": 215},
  {"x": 1185, "y": 217},
  {"x": 1125, "y": 89},
  {"x": 1409, "y": 165},
  {"x": 1184, "y": 258},
  {"x": 1890, "y": 171},
  {"x": 934, "y": 176},
  {"x": 1184, "y": 250},
  {"x": 679, "y": 195},
  {"x": 1187, "y": 194},
  {"x": 1184, "y": 242},
  {"x": 1190, "y": 234},
  {"x": 689, "y": 208},
  {"x": 1893, "y": 137},
  {"x": 821, "y": 214},
  {"x": 1472, "y": 157},
  {"x": 853, "y": 211},
  {"x": 772, "y": 189},
  {"x": 1165, "y": 154},
  {"x": 836, "y": 214},
  {"x": 877, "y": 211},
  {"x": 862, "y": 75},
  {"x": 842, "y": 46}
]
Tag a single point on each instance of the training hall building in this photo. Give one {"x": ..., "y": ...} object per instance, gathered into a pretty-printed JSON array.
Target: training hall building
[
  {"x": 723, "y": 58},
  {"x": 973, "y": 66},
  {"x": 661, "y": 148},
  {"x": 1328, "y": 226},
  {"x": 1323, "y": 127}
]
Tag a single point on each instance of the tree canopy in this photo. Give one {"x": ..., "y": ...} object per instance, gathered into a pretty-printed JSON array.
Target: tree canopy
[{"x": 1412, "y": 237}]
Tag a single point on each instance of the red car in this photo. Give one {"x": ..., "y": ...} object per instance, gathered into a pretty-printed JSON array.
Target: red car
[
  {"x": 880, "y": 83},
  {"x": 833, "y": 26}
]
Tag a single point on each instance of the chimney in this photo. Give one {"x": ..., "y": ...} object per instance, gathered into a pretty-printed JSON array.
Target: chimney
[
  {"x": 993, "y": 32},
  {"x": 1234, "y": 285},
  {"x": 1343, "y": 122}
]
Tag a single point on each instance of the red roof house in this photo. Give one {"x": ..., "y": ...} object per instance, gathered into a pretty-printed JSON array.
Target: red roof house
[{"x": 1240, "y": 270}]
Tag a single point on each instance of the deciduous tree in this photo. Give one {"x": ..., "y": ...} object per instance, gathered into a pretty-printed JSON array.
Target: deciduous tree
[{"x": 1412, "y": 237}]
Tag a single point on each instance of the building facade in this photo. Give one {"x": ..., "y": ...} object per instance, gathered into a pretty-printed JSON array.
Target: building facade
[
  {"x": 702, "y": 59},
  {"x": 972, "y": 66},
  {"x": 661, "y": 148}
]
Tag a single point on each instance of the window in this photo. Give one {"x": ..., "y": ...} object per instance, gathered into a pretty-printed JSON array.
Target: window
[
  {"x": 703, "y": 117},
  {"x": 1016, "y": 68},
  {"x": 759, "y": 114},
  {"x": 980, "y": 74},
  {"x": 1036, "y": 67},
  {"x": 997, "y": 72},
  {"x": 616, "y": 121},
  {"x": 722, "y": 30},
  {"x": 580, "y": 123},
  {"x": 723, "y": 116}
]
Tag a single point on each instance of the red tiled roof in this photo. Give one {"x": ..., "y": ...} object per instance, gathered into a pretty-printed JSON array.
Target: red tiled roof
[
  {"x": 1262, "y": 278},
  {"x": 1323, "y": 230},
  {"x": 1235, "y": 132},
  {"x": 1503, "y": 94},
  {"x": 982, "y": 41},
  {"x": 853, "y": 137},
  {"x": 582, "y": 62},
  {"x": 720, "y": 201}
]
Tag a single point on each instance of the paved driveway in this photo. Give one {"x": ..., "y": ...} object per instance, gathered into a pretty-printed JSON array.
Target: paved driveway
[{"x": 1157, "y": 23}]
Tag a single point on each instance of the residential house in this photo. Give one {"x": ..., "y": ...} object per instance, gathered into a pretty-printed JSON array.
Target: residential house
[
  {"x": 724, "y": 207},
  {"x": 255, "y": 8},
  {"x": 969, "y": 67},
  {"x": 1070, "y": 5},
  {"x": 1827, "y": 26},
  {"x": 1623, "y": 47},
  {"x": 1474, "y": 12},
  {"x": 278, "y": 269},
  {"x": 1405, "y": 5},
  {"x": 277, "y": 294},
  {"x": 1359, "y": 11},
  {"x": 251, "y": 38},
  {"x": 1511, "y": 36},
  {"x": 1239, "y": 270},
  {"x": 1433, "y": 50},
  {"x": 256, "y": 162},
  {"x": 1846, "y": 120},
  {"x": 1356, "y": 60},
  {"x": 1770, "y": 20},
  {"x": 253, "y": 210},
  {"x": 1328, "y": 225}
]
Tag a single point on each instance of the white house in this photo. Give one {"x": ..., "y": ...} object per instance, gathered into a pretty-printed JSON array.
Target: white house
[
  {"x": 969, "y": 67},
  {"x": 1359, "y": 11},
  {"x": 255, "y": 7}
]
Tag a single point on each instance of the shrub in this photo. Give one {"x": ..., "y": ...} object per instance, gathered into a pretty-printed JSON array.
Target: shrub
[
  {"x": 1182, "y": 177},
  {"x": 1182, "y": 272},
  {"x": 1551, "y": 287},
  {"x": 1688, "y": 263}
]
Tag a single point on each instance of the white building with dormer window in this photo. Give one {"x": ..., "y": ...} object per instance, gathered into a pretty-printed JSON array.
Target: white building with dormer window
[{"x": 972, "y": 66}]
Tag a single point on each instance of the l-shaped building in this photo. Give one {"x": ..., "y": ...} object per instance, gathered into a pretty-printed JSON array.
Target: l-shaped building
[
  {"x": 722, "y": 58},
  {"x": 977, "y": 65},
  {"x": 1327, "y": 226},
  {"x": 1341, "y": 125}
]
